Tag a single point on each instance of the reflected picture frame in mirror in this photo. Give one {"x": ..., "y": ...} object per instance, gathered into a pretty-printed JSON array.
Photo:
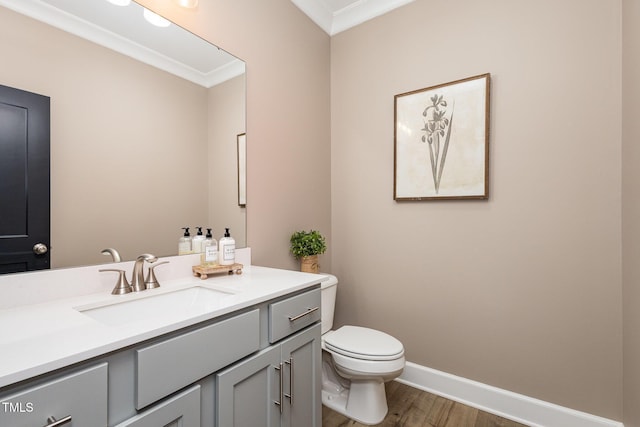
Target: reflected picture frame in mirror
[{"x": 242, "y": 169}]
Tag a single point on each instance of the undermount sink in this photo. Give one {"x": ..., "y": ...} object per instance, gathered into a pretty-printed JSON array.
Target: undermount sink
[{"x": 163, "y": 307}]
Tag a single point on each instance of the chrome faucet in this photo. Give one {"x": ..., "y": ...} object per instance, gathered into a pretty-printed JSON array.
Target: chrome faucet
[{"x": 137, "y": 281}]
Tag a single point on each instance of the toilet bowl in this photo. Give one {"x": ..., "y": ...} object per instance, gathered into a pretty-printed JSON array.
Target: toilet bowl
[{"x": 356, "y": 362}]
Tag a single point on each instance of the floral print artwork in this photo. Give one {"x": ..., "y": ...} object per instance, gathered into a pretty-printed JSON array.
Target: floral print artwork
[{"x": 442, "y": 141}]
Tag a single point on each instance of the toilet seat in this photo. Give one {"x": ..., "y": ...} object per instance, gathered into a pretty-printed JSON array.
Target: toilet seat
[{"x": 363, "y": 343}]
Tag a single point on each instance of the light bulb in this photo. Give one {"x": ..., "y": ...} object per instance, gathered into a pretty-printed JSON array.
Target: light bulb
[
  {"x": 155, "y": 19},
  {"x": 189, "y": 4}
]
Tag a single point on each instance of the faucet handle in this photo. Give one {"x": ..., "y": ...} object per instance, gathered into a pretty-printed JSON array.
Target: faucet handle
[
  {"x": 122, "y": 286},
  {"x": 151, "y": 281}
]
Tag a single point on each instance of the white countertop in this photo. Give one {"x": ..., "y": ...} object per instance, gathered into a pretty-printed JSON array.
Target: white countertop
[{"x": 41, "y": 337}]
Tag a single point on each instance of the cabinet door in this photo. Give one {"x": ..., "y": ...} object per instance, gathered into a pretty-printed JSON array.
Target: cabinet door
[
  {"x": 302, "y": 355},
  {"x": 182, "y": 410},
  {"x": 249, "y": 393},
  {"x": 78, "y": 399}
]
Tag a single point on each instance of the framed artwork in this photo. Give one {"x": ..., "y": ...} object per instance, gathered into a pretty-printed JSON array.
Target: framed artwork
[
  {"x": 242, "y": 169},
  {"x": 441, "y": 141}
]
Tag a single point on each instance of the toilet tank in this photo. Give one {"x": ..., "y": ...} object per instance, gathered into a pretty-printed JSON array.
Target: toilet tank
[{"x": 328, "y": 289}]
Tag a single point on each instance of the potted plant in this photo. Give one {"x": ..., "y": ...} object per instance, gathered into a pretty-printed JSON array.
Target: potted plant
[{"x": 306, "y": 246}]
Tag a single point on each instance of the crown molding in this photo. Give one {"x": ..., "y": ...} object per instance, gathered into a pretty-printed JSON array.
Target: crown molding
[
  {"x": 334, "y": 22},
  {"x": 64, "y": 21}
]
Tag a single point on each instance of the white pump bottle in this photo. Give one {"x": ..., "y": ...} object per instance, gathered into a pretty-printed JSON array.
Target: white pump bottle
[{"x": 227, "y": 249}]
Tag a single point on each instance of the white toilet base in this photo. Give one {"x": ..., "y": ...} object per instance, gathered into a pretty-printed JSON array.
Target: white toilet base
[{"x": 364, "y": 401}]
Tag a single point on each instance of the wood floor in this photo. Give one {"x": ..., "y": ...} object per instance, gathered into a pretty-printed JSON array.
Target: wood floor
[{"x": 410, "y": 407}]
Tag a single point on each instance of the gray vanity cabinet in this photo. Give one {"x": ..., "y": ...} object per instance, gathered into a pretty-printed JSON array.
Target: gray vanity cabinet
[
  {"x": 75, "y": 399},
  {"x": 168, "y": 365},
  {"x": 182, "y": 410},
  {"x": 279, "y": 386},
  {"x": 248, "y": 391},
  {"x": 302, "y": 357},
  {"x": 255, "y": 367}
]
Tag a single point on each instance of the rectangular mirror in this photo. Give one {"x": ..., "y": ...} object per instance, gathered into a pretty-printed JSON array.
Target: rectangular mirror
[{"x": 144, "y": 126}]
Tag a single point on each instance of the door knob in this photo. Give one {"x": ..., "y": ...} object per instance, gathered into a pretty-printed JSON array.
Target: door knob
[{"x": 40, "y": 249}]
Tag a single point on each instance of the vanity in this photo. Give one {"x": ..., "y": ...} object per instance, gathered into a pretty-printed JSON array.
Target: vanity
[{"x": 232, "y": 350}]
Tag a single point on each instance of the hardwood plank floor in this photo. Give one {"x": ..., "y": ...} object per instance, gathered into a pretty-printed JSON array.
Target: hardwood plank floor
[{"x": 410, "y": 407}]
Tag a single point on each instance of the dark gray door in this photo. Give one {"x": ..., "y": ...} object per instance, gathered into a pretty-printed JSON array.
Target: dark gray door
[{"x": 24, "y": 180}]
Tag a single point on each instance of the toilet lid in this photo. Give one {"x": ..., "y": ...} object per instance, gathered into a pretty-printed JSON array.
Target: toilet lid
[{"x": 364, "y": 343}]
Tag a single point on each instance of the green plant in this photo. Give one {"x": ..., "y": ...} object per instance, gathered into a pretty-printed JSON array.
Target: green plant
[{"x": 307, "y": 243}]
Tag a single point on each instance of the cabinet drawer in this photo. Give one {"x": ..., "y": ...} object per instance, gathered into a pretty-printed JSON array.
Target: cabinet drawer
[
  {"x": 169, "y": 365},
  {"x": 182, "y": 410},
  {"x": 293, "y": 314},
  {"x": 81, "y": 396}
]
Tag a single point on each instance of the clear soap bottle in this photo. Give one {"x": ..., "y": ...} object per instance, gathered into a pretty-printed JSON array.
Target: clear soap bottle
[
  {"x": 196, "y": 242},
  {"x": 209, "y": 256},
  {"x": 184, "y": 244}
]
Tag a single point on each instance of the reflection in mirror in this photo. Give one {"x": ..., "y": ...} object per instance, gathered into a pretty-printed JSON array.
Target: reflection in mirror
[{"x": 141, "y": 144}]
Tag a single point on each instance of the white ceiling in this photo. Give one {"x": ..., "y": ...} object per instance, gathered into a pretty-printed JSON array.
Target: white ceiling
[
  {"x": 124, "y": 30},
  {"x": 334, "y": 16},
  {"x": 121, "y": 29}
]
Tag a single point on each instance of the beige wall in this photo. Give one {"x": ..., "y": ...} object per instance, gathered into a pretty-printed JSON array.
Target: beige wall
[
  {"x": 631, "y": 210},
  {"x": 521, "y": 291}
]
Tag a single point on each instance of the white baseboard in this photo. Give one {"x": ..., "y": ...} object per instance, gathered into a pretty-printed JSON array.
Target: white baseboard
[{"x": 506, "y": 404}]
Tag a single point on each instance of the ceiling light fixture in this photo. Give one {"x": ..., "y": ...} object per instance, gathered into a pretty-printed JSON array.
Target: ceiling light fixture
[
  {"x": 189, "y": 4},
  {"x": 120, "y": 2},
  {"x": 155, "y": 19}
]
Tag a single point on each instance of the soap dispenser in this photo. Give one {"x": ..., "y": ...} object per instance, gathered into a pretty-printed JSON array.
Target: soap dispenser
[
  {"x": 209, "y": 256},
  {"x": 196, "y": 242},
  {"x": 227, "y": 249},
  {"x": 184, "y": 244}
]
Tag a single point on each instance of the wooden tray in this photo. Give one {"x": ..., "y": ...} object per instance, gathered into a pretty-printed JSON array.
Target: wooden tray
[{"x": 205, "y": 271}]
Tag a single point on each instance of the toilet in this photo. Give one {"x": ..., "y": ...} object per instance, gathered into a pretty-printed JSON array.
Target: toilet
[{"x": 356, "y": 362}]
